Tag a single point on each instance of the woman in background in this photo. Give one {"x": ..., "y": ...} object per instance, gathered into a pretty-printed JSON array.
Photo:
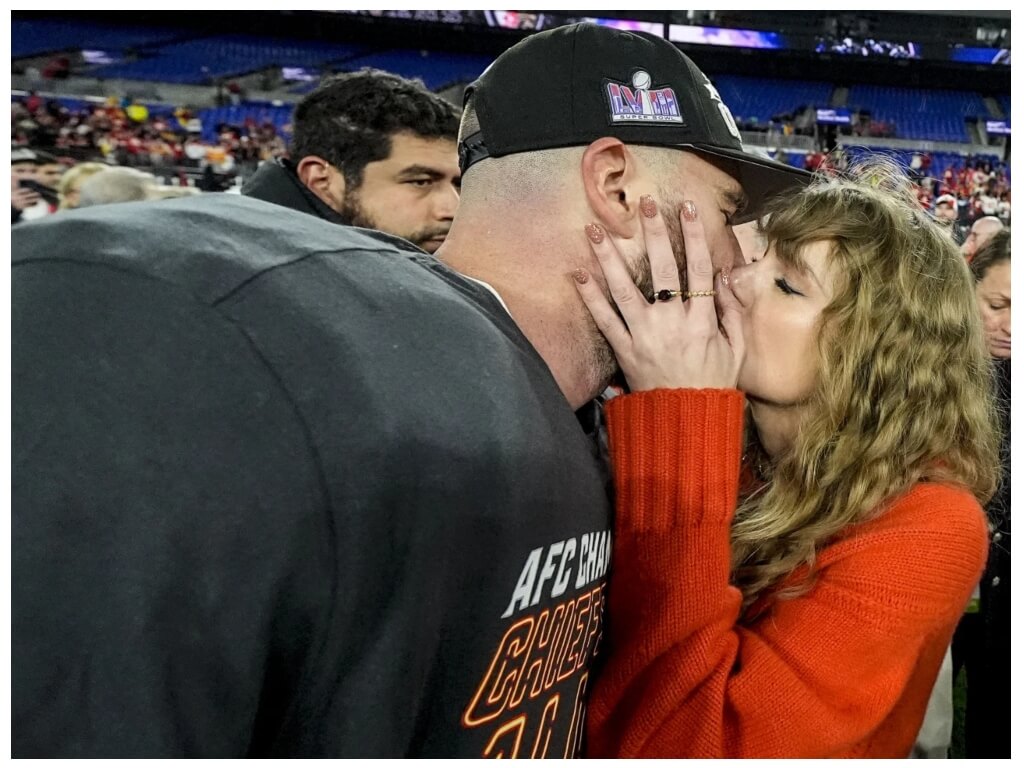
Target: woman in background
[{"x": 982, "y": 642}]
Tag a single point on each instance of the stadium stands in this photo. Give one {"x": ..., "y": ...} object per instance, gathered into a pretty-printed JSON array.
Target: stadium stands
[
  {"x": 1004, "y": 103},
  {"x": 437, "y": 69},
  {"x": 940, "y": 160},
  {"x": 36, "y": 37},
  {"x": 920, "y": 114},
  {"x": 181, "y": 57},
  {"x": 279, "y": 117},
  {"x": 200, "y": 61},
  {"x": 760, "y": 99}
]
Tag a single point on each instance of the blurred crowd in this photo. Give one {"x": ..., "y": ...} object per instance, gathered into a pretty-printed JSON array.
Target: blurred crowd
[
  {"x": 57, "y": 137},
  {"x": 125, "y": 132},
  {"x": 965, "y": 192},
  {"x": 42, "y": 184}
]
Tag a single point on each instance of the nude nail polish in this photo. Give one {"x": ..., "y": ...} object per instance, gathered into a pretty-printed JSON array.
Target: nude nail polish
[
  {"x": 595, "y": 233},
  {"x": 689, "y": 210},
  {"x": 581, "y": 276},
  {"x": 648, "y": 207}
]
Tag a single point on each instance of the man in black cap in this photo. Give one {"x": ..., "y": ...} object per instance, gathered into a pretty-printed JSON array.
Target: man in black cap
[
  {"x": 570, "y": 128},
  {"x": 947, "y": 214},
  {"x": 370, "y": 149},
  {"x": 296, "y": 489},
  {"x": 34, "y": 177}
]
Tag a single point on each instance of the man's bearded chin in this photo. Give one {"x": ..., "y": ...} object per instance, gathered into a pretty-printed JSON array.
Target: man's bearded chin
[
  {"x": 427, "y": 238},
  {"x": 354, "y": 215}
]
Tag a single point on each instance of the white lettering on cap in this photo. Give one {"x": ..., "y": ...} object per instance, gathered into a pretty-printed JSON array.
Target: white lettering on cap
[{"x": 730, "y": 123}]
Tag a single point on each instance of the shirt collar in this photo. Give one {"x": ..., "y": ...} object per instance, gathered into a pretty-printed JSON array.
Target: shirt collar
[{"x": 491, "y": 289}]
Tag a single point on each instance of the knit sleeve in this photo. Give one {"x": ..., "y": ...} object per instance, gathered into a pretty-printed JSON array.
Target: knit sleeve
[{"x": 817, "y": 675}]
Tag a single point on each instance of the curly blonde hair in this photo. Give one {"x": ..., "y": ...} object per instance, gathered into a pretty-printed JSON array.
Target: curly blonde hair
[
  {"x": 73, "y": 179},
  {"x": 903, "y": 386}
]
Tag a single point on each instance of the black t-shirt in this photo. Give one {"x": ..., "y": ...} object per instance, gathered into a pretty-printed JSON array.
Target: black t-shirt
[{"x": 287, "y": 488}]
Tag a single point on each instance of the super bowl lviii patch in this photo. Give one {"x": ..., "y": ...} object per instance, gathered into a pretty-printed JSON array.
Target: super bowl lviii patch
[{"x": 641, "y": 103}]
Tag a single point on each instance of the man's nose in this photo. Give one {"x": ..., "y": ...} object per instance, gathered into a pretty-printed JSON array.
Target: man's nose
[
  {"x": 446, "y": 203},
  {"x": 749, "y": 240},
  {"x": 729, "y": 252}
]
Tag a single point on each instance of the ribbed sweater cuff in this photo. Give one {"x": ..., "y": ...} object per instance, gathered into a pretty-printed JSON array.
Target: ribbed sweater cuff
[{"x": 675, "y": 456}]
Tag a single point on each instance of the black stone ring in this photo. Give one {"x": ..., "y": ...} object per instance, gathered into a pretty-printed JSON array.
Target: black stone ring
[{"x": 666, "y": 295}]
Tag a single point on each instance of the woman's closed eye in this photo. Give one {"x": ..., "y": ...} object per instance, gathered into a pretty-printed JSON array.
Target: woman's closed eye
[{"x": 786, "y": 288}]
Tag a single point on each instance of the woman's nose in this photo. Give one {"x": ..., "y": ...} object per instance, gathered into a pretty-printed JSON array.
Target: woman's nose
[{"x": 741, "y": 280}]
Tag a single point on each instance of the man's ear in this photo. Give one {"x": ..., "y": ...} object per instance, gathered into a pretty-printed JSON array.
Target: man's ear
[
  {"x": 609, "y": 179},
  {"x": 317, "y": 174}
]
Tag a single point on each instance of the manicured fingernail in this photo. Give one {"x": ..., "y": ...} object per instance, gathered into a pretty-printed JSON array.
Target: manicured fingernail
[
  {"x": 689, "y": 210},
  {"x": 594, "y": 232},
  {"x": 726, "y": 276},
  {"x": 648, "y": 207},
  {"x": 580, "y": 276}
]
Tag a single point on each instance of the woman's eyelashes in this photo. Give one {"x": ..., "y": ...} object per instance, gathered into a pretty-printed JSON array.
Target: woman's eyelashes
[{"x": 786, "y": 288}]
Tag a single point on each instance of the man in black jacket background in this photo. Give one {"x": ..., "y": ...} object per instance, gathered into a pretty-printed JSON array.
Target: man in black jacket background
[{"x": 370, "y": 149}]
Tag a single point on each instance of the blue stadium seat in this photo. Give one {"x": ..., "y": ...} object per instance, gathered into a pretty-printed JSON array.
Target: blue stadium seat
[
  {"x": 437, "y": 69},
  {"x": 1004, "y": 102},
  {"x": 920, "y": 114},
  {"x": 238, "y": 114},
  {"x": 201, "y": 61},
  {"x": 753, "y": 98},
  {"x": 34, "y": 37}
]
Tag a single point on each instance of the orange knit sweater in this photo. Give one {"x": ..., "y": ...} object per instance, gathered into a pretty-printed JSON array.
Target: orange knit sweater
[{"x": 846, "y": 670}]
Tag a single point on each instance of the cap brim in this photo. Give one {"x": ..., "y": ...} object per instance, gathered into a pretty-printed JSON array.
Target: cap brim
[{"x": 762, "y": 179}]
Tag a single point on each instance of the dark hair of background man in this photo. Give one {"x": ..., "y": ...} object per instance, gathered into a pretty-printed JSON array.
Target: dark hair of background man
[{"x": 349, "y": 119}]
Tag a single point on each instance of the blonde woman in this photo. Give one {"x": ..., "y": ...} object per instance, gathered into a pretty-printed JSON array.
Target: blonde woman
[
  {"x": 792, "y": 593},
  {"x": 127, "y": 185},
  {"x": 70, "y": 184}
]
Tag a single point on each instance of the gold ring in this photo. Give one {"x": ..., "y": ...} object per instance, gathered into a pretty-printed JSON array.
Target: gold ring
[{"x": 691, "y": 294}]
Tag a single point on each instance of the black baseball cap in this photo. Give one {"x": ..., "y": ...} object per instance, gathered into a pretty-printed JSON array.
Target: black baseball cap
[
  {"x": 23, "y": 155},
  {"x": 34, "y": 156},
  {"x": 572, "y": 85}
]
